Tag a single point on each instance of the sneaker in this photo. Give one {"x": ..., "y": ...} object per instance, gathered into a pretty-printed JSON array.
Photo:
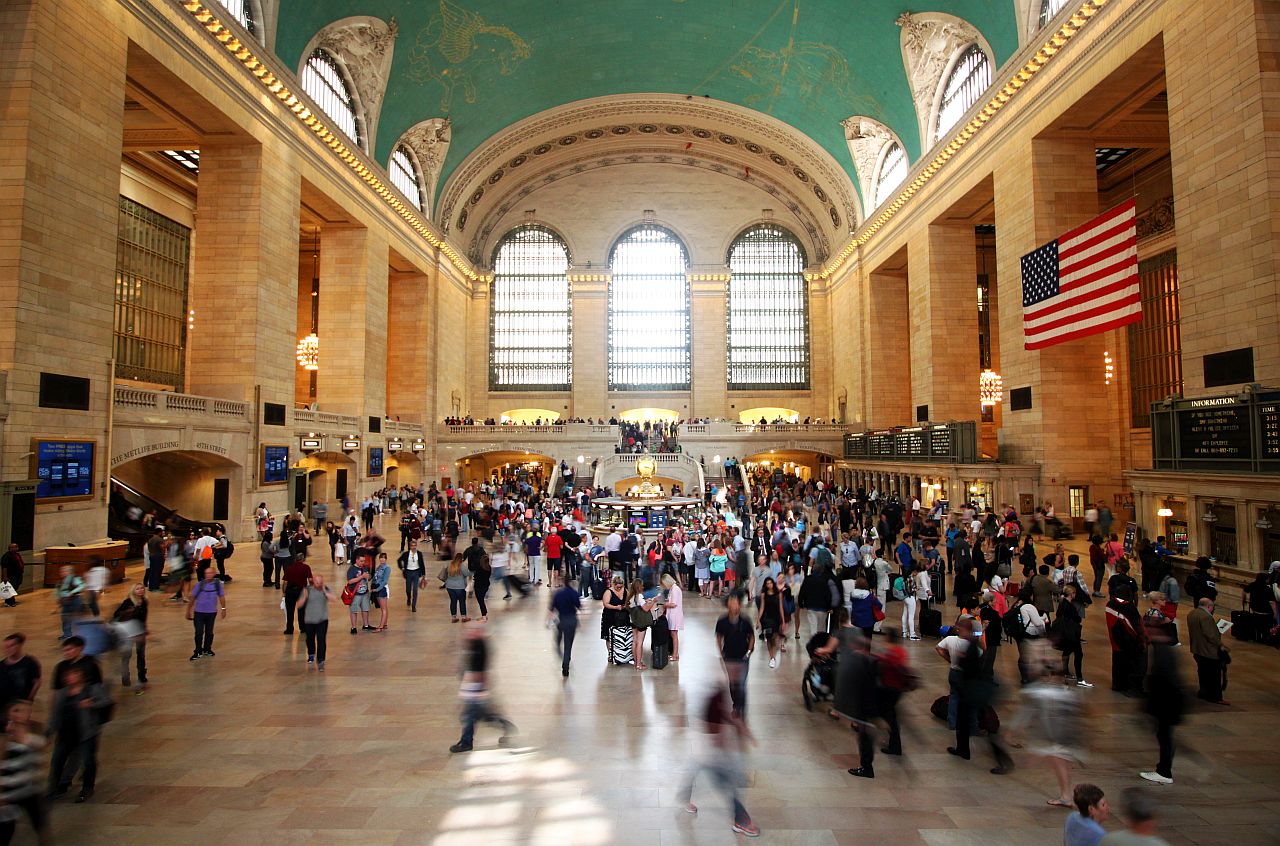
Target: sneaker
[
  {"x": 1083, "y": 683},
  {"x": 85, "y": 796},
  {"x": 353, "y": 629},
  {"x": 311, "y": 659},
  {"x": 321, "y": 667},
  {"x": 195, "y": 656},
  {"x": 460, "y": 747},
  {"x": 1156, "y": 777},
  {"x": 208, "y": 653},
  {"x": 747, "y": 829},
  {"x": 773, "y": 663},
  {"x": 691, "y": 809}
]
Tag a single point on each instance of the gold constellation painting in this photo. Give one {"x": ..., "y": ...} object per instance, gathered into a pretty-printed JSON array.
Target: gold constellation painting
[{"x": 455, "y": 44}]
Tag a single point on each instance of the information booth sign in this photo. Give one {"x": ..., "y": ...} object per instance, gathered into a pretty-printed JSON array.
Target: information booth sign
[
  {"x": 1233, "y": 433},
  {"x": 939, "y": 443}
]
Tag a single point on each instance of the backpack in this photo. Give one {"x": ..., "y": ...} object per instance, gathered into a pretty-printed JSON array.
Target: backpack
[
  {"x": 230, "y": 550},
  {"x": 1013, "y": 624},
  {"x": 1169, "y": 587},
  {"x": 899, "y": 588},
  {"x": 824, "y": 557}
]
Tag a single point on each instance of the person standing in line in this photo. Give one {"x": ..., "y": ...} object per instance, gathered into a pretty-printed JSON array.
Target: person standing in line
[
  {"x": 20, "y": 674},
  {"x": 414, "y": 569},
  {"x": 1085, "y": 827},
  {"x": 381, "y": 590},
  {"x": 70, "y": 597},
  {"x": 1128, "y": 643},
  {"x": 673, "y": 608},
  {"x": 358, "y": 580},
  {"x": 475, "y": 694},
  {"x": 1207, "y": 649},
  {"x": 1166, "y": 700},
  {"x": 904, "y": 589},
  {"x": 19, "y": 774},
  {"x": 1139, "y": 811},
  {"x": 131, "y": 616},
  {"x": 735, "y": 641},
  {"x": 564, "y": 607},
  {"x": 207, "y": 597},
  {"x": 315, "y": 620},
  {"x": 723, "y": 760},
  {"x": 296, "y": 578},
  {"x": 74, "y": 722}
]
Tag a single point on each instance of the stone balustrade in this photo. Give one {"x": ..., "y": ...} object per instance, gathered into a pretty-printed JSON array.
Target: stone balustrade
[{"x": 167, "y": 401}]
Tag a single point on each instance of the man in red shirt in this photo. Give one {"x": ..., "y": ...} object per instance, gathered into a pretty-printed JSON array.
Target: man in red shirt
[
  {"x": 296, "y": 577},
  {"x": 554, "y": 545}
]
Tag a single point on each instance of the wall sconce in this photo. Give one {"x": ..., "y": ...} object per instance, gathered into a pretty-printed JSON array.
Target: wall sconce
[
  {"x": 1108, "y": 367},
  {"x": 1164, "y": 511},
  {"x": 990, "y": 388},
  {"x": 350, "y": 445},
  {"x": 1264, "y": 520},
  {"x": 1210, "y": 513},
  {"x": 308, "y": 352},
  {"x": 582, "y": 459}
]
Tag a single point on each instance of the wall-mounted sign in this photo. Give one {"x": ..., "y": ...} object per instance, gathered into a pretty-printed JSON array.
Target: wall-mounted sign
[
  {"x": 375, "y": 461},
  {"x": 418, "y": 446},
  {"x": 312, "y": 444},
  {"x": 275, "y": 464},
  {"x": 1232, "y": 432},
  {"x": 943, "y": 443},
  {"x": 350, "y": 445},
  {"x": 64, "y": 469},
  {"x": 394, "y": 446}
]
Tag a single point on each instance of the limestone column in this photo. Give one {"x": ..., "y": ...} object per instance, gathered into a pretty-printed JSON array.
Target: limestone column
[
  {"x": 408, "y": 347},
  {"x": 244, "y": 273},
  {"x": 1070, "y": 430},
  {"x": 62, "y": 115},
  {"x": 353, "y": 323},
  {"x": 942, "y": 290},
  {"x": 887, "y": 352},
  {"x": 589, "y": 293},
  {"x": 709, "y": 360}
]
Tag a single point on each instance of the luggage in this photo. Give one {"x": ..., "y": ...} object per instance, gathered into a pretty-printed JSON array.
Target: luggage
[
  {"x": 597, "y": 589},
  {"x": 930, "y": 622},
  {"x": 1250, "y": 626},
  {"x": 660, "y": 634},
  {"x": 620, "y": 638},
  {"x": 938, "y": 584},
  {"x": 939, "y": 707},
  {"x": 519, "y": 583},
  {"x": 661, "y": 655}
]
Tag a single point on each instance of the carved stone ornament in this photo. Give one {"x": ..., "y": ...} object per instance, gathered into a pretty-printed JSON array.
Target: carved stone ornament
[
  {"x": 429, "y": 141},
  {"x": 867, "y": 139},
  {"x": 1156, "y": 220},
  {"x": 929, "y": 40},
  {"x": 365, "y": 46}
]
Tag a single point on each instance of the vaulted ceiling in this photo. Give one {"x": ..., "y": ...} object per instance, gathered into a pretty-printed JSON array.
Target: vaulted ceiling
[{"x": 486, "y": 64}]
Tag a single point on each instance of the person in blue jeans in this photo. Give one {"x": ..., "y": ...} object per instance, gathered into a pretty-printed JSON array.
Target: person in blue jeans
[
  {"x": 207, "y": 597},
  {"x": 565, "y": 604}
]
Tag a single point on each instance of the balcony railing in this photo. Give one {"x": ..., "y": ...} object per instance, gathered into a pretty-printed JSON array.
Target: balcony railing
[
  {"x": 158, "y": 401},
  {"x": 566, "y": 431},
  {"x": 817, "y": 430},
  {"x": 346, "y": 422}
]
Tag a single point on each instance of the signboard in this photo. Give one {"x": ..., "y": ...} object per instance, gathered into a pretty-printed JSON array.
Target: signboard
[
  {"x": 275, "y": 464},
  {"x": 418, "y": 446},
  {"x": 312, "y": 444},
  {"x": 658, "y": 520},
  {"x": 942, "y": 443},
  {"x": 1235, "y": 432},
  {"x": 63, "y": 469},
  {"x": 1130, "y": 537},
  {"x": 375, "y": 461},
  {"x": 350, "y": 445},
  {"x": 394, "y": 446}
]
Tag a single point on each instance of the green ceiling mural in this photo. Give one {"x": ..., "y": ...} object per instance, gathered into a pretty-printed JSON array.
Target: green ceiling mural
[{"x": 489, "y": 63}]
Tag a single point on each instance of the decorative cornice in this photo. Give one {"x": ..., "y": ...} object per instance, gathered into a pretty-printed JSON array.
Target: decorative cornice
[
  {"x": 1156, "y": 220},
  {"x": 1017, "y": 80},
  {"x": 302, "y": 108}
]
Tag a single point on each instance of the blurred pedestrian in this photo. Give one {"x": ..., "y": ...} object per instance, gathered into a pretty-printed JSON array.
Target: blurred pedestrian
[
  {"x": 857, "y": 693},
  {"x": 475, "y": 694},
  {"x": 1050, "y": 716},
  {"x": 1139, "y": 811},
  {"x": 19, "y": 774},
  {"x": 1166, "y": 701},
  {"x": 723, "y": 760},
  {"x": 735, "y": 641}
]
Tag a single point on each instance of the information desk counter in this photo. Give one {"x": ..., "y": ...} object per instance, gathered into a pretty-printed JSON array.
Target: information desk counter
[{"x": 111, "y": 552}]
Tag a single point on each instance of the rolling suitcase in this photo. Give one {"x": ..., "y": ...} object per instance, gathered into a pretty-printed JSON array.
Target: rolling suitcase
[
  {"x": 620, "y": 639},
  {"x": 661, "y": 637},
  {"x": 938, "y": 584},
  {"x": 930, "y": 622}
]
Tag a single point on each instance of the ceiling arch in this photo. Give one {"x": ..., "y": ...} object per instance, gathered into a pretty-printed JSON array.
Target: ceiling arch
[{"x": 487, "y": 64}]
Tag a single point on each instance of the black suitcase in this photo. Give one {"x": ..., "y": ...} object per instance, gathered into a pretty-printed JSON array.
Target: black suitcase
[
  {"x": 930, "y": 622},
  {"x": 1250, "y": 626},
  {"x": 597, "y": 589},
  {"x": 520, "y": 583},
  {"x": 938, "y": 584},
  {"x": 661, "y": 655}
]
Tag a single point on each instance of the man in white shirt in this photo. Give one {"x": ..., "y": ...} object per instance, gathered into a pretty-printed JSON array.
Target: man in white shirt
[
  {"x": 1030, "y": 650},
  {"x": 611, "y": 545}
]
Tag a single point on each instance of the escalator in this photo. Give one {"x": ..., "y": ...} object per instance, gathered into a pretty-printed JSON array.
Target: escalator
[{"x": 128, "y": 507}]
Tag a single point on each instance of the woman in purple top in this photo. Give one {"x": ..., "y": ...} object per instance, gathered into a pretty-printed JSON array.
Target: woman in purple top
[{"x": 206, "y": 598}]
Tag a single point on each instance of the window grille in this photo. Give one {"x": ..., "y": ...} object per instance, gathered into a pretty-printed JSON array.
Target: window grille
[
  {"x": 1049, "y": 10},
  {"x": 152, "y": 259},
  {"x": 531, "y": 339},
  {"x": 404, "y": 175},
  {"x": 969, "y": 78},
  {"x": 1155, "y": 341},
  {"x": 649, "y": 312},
  {"x": 242, "y": 11},
  {"x": 893, "y": 170},
  {"x": 324, "y": 83},
  {"x": 767, "y": 311}
]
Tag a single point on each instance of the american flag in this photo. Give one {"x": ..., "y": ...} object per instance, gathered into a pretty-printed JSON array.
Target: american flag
[{"x": 1083, "y": 283}]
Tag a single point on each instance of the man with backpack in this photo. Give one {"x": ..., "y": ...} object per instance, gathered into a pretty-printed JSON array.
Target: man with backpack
[{"x": 1024, "y": 626}]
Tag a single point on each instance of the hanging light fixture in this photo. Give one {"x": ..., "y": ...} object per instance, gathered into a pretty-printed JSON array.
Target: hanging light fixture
[
  {"x": 309, "y": 352},
  {"x": 990, "y": 388},
  {"x": 1108, "y": 367},
  {"x": 1164, "y": 511}
]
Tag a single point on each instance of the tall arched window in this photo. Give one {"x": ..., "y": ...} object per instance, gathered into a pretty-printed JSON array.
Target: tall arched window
[
  {"x": 969, "y": 78},
  {"x": 768, "y": 311},
  {"x": 531, "y": 338},
  {"x": 1049, "y": 10},
  {"x": 893, "y": 170},
  {"x": 242, "y": 11},
  {"x": 648, "y": 312},
  {"x": 324, "y": 82},
  {"x": 405, "y": 176}
]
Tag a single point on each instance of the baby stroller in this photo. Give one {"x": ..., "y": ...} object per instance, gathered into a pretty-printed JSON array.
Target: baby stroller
[{"x": 819, "y": 679}]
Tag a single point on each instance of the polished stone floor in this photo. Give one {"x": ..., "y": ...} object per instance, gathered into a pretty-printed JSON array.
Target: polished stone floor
[{"x": 253, "y": 747}]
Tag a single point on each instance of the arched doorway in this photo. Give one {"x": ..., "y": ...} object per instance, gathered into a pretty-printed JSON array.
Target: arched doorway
[
  {"x": 190, "y": 485},
  {"x": 330, "y": 477},
  {"x": 769, "y": 414},
  {"x": 511, "y": 467}
]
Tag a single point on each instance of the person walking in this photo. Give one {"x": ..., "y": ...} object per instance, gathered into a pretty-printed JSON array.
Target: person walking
[
  {"x": 735, "y": 641},
  {"x": 723, "y": 759},
  {"x": 130, "y": 619},
  {"x": 1139, "y": 810},
  {"x": 70, "y": 597},
  {"x": 565, "y": 604},
  {"x": 1049, "y": 715},
  {"x": 414, "y": 569},
  {"x": 772, "y": 619},
  {"x": 454, "y": 576},
  {"x": 975, "y": 695},
  {"x": 12, "y": 567},
  {"x": 1067, "y": 629},
  {"x": 75, "y": 723},
  {"x": 207, "y": 598},
  {"x": 20, "y": 674},
  {"x": 1208, "y": 650},
  {"x": 19, "y": 774},
  {"x": 857, "y": 693},
  {"x": 1166, "y": 700},
  {"x": 896, "y": 679},
  {"x": 475, "y": 694},
  {"x": 296, "y": 578},
  {"x": 315, "y": 620}
]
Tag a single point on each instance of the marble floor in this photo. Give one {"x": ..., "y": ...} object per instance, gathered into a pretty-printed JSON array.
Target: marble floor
[{"x": 254, "y": 747}]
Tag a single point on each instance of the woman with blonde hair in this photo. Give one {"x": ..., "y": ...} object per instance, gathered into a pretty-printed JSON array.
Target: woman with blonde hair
[
  {"x": 635, "y": 599},
  {"x": 130, "y": 622},
  {"x": 454, "y": 576},
  {"x": 674, "y": 609}
]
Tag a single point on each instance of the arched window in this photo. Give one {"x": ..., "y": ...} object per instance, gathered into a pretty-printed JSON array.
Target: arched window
[
  {"x": 242, "y": 11},
  {"x": 648, "y": 312},
  {"x": 768, "y": 311},
  {"x": 893, "y": 170},
  {"x": 323, "y": 80},
  {"x": 969, "y": 78},
  {"x": 1049, "y": 10},
  {"x": 404, "y": 175},
  {"x": 531, "y": 339}
]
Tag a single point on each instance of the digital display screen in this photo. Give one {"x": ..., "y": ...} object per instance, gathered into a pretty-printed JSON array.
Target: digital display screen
[
  {"x": 375, "y": 461},
  {"x": 64, "y": 469},
  {"x": 275, "y": 464}
]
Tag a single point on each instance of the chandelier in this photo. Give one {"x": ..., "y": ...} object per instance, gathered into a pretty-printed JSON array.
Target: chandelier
[
  {"x": 990, "y": 388},
  {"x": 309, "y": 352}
]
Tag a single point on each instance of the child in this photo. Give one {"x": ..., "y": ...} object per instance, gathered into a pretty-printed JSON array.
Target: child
[{"x": 340, "y": 554}]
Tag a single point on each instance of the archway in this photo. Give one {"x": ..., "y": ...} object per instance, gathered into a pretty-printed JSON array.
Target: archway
[
  {"x": 330, "y": 477},
  {"x": 776, "y": 467},
  {"x": 769, "y": 414},
  {"x": 514, "y": 467},
  {"x": 529, "y": 416},
  {"x": 190, "y": 486},
  {"x": 640, "y": 415}
]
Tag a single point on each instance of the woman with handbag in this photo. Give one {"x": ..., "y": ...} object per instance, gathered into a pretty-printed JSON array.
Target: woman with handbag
[
  {"x": 641, "y": 611},
  {"x": 772, "y": 619},
  {"x": 865, "y": 609},
  {"x": 131, "y": 625},
  {"x": 1067, "y": 628},
  {"x": 615, "y": 623}
]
